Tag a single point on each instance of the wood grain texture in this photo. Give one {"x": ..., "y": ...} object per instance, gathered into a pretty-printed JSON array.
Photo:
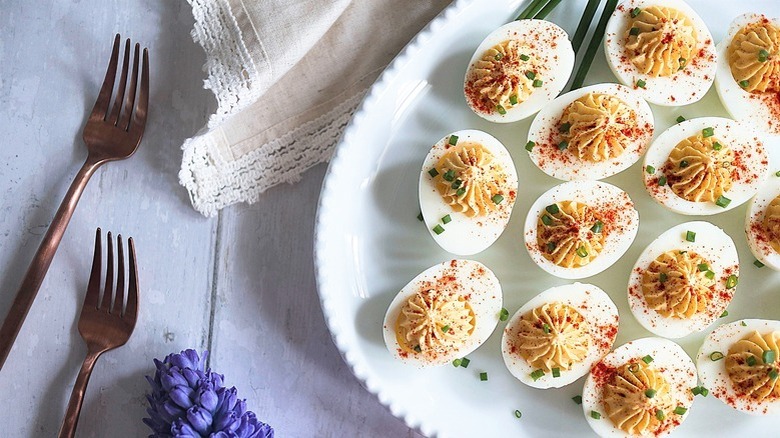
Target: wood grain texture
[{"x": 265, "y": 327}]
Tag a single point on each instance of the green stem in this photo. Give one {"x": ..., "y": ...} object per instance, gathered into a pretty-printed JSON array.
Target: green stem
[
  {"x": 582, "y": 28},
  {"x": 593, "y": 46},
  {"x": 531, "y": 9},
  {"x": 547, "y": 9}
]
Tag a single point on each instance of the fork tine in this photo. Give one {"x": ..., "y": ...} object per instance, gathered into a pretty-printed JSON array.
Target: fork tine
[
  {"x": 106, "y": 298},
  {"x": 139, "y": 114},
  {"x": 131, "y": 310},
  {"x": 127, "y": 111},
  {"x": 120, "y": 92},
  {"x": 119, "y": 296},
  {"x": 93, "y": 287},
  {"x": 104, "y": 97}
]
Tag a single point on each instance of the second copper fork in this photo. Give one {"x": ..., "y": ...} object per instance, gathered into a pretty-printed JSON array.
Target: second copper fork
[{"x": 106, "y": 322}]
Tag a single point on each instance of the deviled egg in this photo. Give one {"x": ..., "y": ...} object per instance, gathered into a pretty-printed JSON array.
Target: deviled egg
[
  {"x": 517, "y": 69},
  {"x": 580, "y": 228},
  {"x": 705, "y": 166},
  {"x": 643, "y": 388},
  {"x": 762, "y": 224},
  {"x": 684, "y": 280},
  {"x": 559, "y": 334},
  {"x": 748, "y": 78},
  {"x": 468, "y": 186},
  {"x": 444, "y": 313},
  {"x": 662, "y": 49},
  {"x": 739, "y": 363},
  {"x": 591, "y": 133}
]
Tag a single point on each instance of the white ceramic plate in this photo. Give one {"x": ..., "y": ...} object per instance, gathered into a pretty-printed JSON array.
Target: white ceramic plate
[{"x": 369, "y": 242}]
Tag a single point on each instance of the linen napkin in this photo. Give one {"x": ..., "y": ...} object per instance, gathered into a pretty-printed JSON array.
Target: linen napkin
[{"x": 287, "y": 75}]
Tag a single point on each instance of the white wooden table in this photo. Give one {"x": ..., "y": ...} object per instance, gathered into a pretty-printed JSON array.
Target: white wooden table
[{"x": 240, "y": 285}]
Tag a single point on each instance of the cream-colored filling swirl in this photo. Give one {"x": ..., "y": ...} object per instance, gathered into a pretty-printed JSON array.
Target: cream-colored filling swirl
[
  {"x": 754, "y": 57},
  {"x": 699, "y": 169},
  {"x": 676, "y": 284},
  {"x": 597, "y": 127},
  {"x": 469, "y": 177},
  {"x": 660, "y": 41},
  {"x": 570, "y": 234},
  {"x": 433, "y": 323},
  {"x": 628, "y": 402},
  {"x": 771, "y": 223},
  {"x": 747, "y": 370},
  {"x": 500, "y": 75},
  {"x": 554, "y": 335}
]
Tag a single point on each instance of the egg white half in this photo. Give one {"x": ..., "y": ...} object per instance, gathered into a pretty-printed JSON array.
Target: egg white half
[
  {"x": 713, "y": 374},
  {"x": 598, "y": 310},
  {"x": 758, "y": 237},
  {"x": 683, "y": 88},
  {"x": 714, "y": 245},
  {"x": 565, "y": 165},
  {"x": 474, "y": 280}
]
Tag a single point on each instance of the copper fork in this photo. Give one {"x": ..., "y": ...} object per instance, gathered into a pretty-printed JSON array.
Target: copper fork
[
  {"x": 105, "y": 322},
  {"x": 111, "y": 133}
]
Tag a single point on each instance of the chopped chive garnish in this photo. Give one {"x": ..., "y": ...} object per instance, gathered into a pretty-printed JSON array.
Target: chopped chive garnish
[
  {"x": 773, "y": 374},
  {"x": 662, "y": 277},
  {"x": 724, "y": 314},
  {"x": 662, "y": 181},
  {"x": 453, "y": 140},
  {"x": 446, "y": 219},
  {"x": 498, "y": 56},
  {"x": 717, "y": 146},
  {"x": 682, "y": 62},
  {"x": 556, "y": 372},
  {"x": 777, "y": 173},
  {"x": 690, "y": 236},
  {"x": 708, "y": 132},
  {"x": 634, "y": 31},
  {"x": 537, "y": 374},
  {"x": 483, "y": 377},
  {"x": 704, "y": 391},
  {"x": 684, "y": 164},
  {"x": 763, "y": 55},
  {"x": 768, "y": 356},
  {"x": 538, "y": 83},
  {"x": 420, "y": 217},
  {"x": 530, "y": 75},
  {"x": 449, "y": 175},
  {"x": 732, "y": 281},
  {"x": 680, "y": 119},
  {"x": 751, "y": 361},
  {"x": 744, "y": 84},
  {"x": 679, "y": 410},
  {"x": 551, "y": 247},
  {"x": 758, "y": 264},
  {"x": 513, "y": 99},
  {"x": 722, "y": 201},
  {"x": 647, "y": 359},
  {"x": 438, "y": 229},
  {"x": 577, "y": 399},
  {"x": 659, "y": 414},
  {"x": 563, "y": 145},
  {"x": 552, "y": 208},
  {"x": 641, "y": 84},
  {"x": 497, "y": 199},
  {"x": 446, "y": 328},
  {"x": 547, "y": 220},
  {"x": 696, "y": 390},
  {"x": 597, "y": 227},
  {"x": 460, "y": 192},
  {"x": 433, "y": 172},
  {"x": 564, "y": 127},
  {"x": 703, "y": 267},
  {"x": 582, "y": 252},
  {"x": 634, "y": 368},
  {"x": 525, "y": 57},
  {"x": 503, "y": 315},
  {"x": 417, "y": 349},
  {"x": 530, "y": 146},
  {"x": 456, "y": 184},
  {"x": 518, "y": 414},
  {"x": 500, "y": 109},
  {"x": 650, "y": 169},
  {"x": 635, "y": 12},
  {"x": 716, "y": 355},
  {"x": 464, "y": 362},
  {"x": 456, "y": 363},
  {"x": 546, "y": 328},
  {"x": 595, "y": 415},
  {"x": 743, "y": 324},
  {"x": 709, "y": 274}
]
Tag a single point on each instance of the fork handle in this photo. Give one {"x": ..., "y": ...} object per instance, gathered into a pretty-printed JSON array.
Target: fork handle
[
  {"x": 68, "y": 428},
  {"x": 42, "y": 260}
]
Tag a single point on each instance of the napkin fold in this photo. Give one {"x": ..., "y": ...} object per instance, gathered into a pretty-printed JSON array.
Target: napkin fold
[{"x": 287, "y": 76}]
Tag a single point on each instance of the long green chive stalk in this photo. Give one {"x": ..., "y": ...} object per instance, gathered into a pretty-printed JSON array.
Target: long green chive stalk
[
  {"x": 547, "y": 9},
  {"x": 593, "y": 46},
  {"x": 531, "y": 10},
  {"x": 582, "y": 28}
]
